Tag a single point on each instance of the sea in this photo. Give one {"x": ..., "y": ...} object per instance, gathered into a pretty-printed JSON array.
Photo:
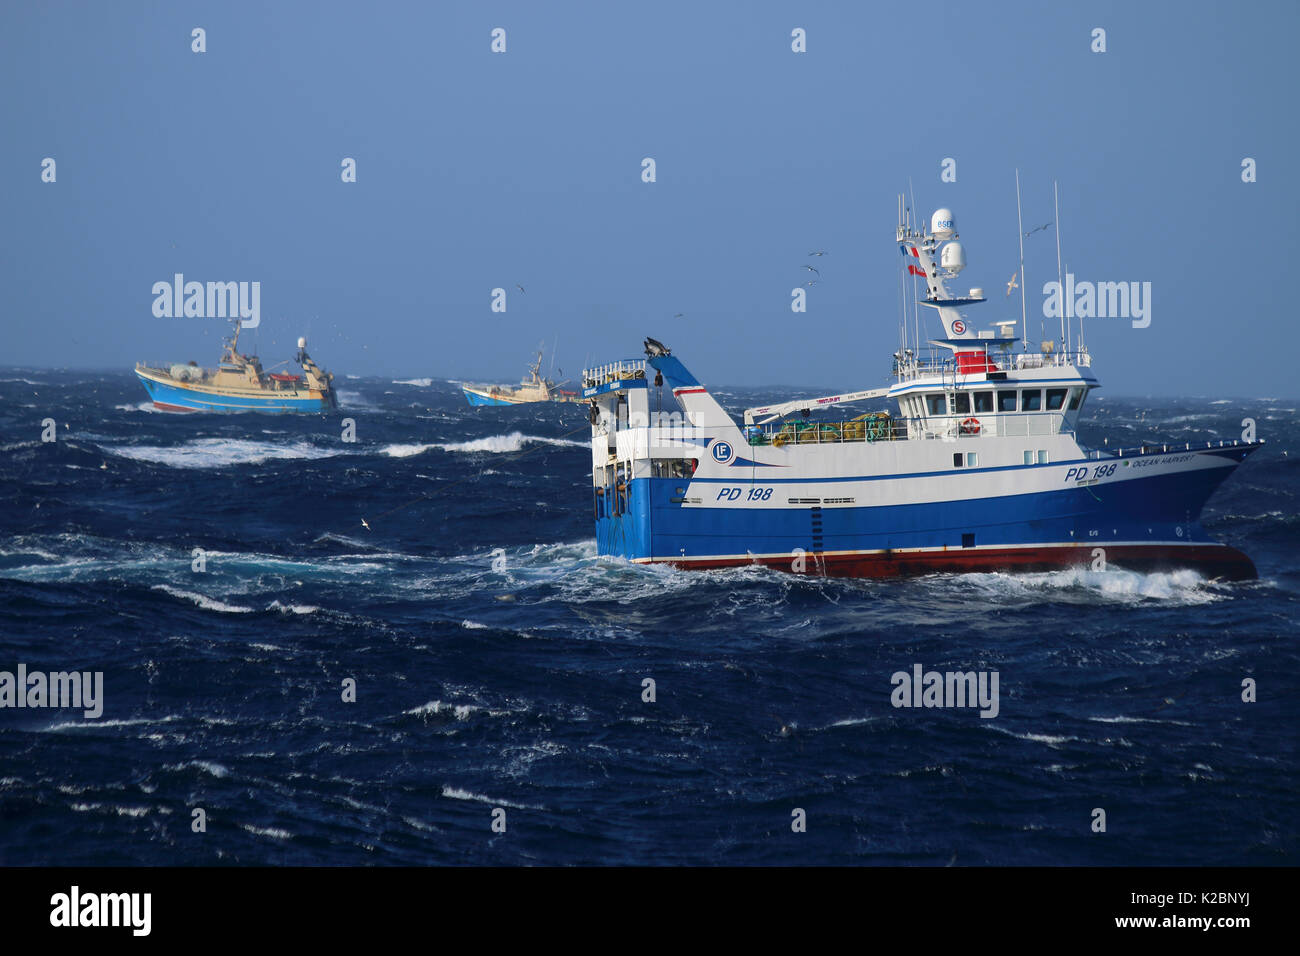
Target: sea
[{"x": 403, "y": 649}]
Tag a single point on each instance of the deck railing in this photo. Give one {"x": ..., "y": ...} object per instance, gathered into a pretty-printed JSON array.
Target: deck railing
[
  {"x": 1162, "y": 448},
  {"x": 612, "y": 372},
  {"x": 926, "y": 366},
  {"x": 882, "y": 428}
]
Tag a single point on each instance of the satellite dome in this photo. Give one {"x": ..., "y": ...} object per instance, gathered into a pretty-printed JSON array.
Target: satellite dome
[
  {"x": 953, "y": 257},
  {"x": 943, "y": 224}
]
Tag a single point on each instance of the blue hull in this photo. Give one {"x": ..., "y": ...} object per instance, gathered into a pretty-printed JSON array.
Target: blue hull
[
  {"x": 1150, "y": 522},
  {"x": 177, "y": 398},
  {"x": 474, "y": 398}
]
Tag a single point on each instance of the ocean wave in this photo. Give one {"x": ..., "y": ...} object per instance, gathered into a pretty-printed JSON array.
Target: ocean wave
[
  {"x": 119, "y": 811},
  {"x": 493, "y": 444},
  {"x": 292, "y": 608},
  {"x": 202, "y": 600},
  {"x": 418, "y": 382},
  {"x": 271, "y": 833},
  {"x": 459, "y": 711},
  {"x": 1115, "y": 584},
  {"x": 220, "y": 452},
  {"x": 456, "y": 793},
  {"x": 89, "y": 724}
]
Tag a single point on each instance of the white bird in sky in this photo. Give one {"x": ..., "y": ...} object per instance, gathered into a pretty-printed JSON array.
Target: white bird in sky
[
  {"x": 364, "y": 525},
  {"x": 520, "y": 288},
  {"x": 811, "y": 269},
  {"x": 1013, "y": 284},
  {"x": 822, "y": 253}
]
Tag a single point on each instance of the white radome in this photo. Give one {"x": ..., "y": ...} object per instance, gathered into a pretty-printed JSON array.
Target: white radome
[
  {"x": 302, "y": 341},
  {"x": 953, "y": 257},
  {"x": 943, "y": 224}
]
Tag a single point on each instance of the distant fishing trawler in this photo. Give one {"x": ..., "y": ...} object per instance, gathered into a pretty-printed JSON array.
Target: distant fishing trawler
[
  {"x": 239, "y": 384},
  {"x": 981, "y": 470},
  {"x": 534, "y": 388}
]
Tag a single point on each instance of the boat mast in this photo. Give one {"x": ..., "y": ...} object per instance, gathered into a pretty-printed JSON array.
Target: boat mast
[
  {"x": 1060, "y": 285},
  {"x": 916, "y": 309},
  {"x": 1024, "y": 326}
]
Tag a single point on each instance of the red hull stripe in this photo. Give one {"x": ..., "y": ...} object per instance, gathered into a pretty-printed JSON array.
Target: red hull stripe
[{"x": 1212, "y": 560}]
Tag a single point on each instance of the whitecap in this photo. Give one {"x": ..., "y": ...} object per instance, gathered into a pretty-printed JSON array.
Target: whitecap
[
  {"x": 202, "y": 600},
  {"x": 220, "y": 452}
]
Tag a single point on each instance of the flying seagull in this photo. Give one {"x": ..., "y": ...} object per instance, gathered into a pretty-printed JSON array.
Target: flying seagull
[
  {"x": 811, "y": 282},
  {"x": 654, "y": 348},
  {"x": 364, "y": 525},
  {"x": 679, "y": 315},
  {"x": 1013, "y": 284},
  {"x": 822, "y": 253},
  {"x": 1039, "y": 229},
  {"x": 811, "y": 269},
  {"x": 520, "y": 288}
]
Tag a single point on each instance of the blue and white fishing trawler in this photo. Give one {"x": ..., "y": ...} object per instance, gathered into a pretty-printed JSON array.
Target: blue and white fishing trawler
[{"x": 979, "y": 470}]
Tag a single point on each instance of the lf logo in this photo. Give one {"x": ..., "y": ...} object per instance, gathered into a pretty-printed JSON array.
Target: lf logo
[{"x": 722, "y": 452}]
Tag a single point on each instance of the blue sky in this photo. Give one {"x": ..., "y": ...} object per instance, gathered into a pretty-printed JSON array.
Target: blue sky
[{"x": 478, "y": 170}]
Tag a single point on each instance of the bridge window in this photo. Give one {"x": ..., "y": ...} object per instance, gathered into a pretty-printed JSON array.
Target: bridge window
[
  {"x": 1007, "y": 401},
  {"x": 1055, "y": 399},
  {"x": 1032, "y": 400},
  {"x": 937, "y": 404},
  {"x": 962, "y": 400},
  {"x": 1076, "y": 397},
  {"x": 983, "y": 402}
]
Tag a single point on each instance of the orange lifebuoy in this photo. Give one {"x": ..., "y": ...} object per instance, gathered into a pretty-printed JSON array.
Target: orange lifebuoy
[{"x": 970, "y": 426}]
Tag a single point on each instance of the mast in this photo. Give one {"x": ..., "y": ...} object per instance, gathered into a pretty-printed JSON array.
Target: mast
[
  {"x": 1024, "y": 327},
  {"x": 1060, "y": 285}
]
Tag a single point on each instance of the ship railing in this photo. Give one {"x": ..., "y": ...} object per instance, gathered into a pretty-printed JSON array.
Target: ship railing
[
  {"x": 613, "y": 372},
  {"x": 926, "y": 367},
  {"x": 817, "y": 432},
  {"x": 1163, "y": 448},
  {"x": 889, "y": 428}
]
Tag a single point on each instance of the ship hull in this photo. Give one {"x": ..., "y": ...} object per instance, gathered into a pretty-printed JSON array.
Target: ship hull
[
  {"x": 176, "y": 396},
  {"x": 477, "y": 397},
  {"x": 483, "y": 396},
  {"x": 1148, "y": 521}
]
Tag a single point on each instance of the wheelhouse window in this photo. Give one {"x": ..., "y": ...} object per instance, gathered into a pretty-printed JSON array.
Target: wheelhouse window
[
  {"x": 937, "y": 404},
  {"x": 1076, "y": 398},
  {"x": 1055, "y": 399},
  {"x": 983, "y": 402},
  {"x": 1032, "y": 400},
  {"x": 962, "y": 403},
  {"x": 1007, "y": 401}
]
